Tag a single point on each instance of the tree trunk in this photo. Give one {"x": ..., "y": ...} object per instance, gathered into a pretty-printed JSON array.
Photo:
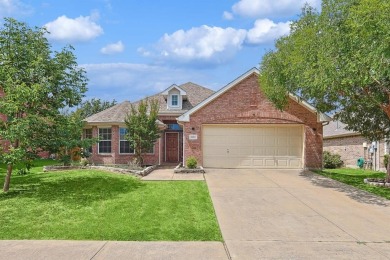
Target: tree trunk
[
  {"x": 7, "y": 180},
  {"x": 388, "y": 172}
]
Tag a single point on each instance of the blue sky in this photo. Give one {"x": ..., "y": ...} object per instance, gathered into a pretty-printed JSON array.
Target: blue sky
[{"x": 132, "y": 49}]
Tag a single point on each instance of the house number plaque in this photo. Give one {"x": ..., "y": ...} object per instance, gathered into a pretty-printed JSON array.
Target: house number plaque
[{"x": 193, "y": 137}]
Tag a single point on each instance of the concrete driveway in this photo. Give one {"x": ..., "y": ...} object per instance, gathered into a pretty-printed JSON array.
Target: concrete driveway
[{"x": 286, "y": 214}]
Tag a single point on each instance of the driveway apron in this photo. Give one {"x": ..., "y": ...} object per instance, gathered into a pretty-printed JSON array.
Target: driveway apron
[{"x": 289, "y": 214}]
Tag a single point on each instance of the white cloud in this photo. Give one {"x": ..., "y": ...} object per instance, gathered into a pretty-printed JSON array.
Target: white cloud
[
  {"x": 228, "y": 15},
  {"x": 113, "y": 48},
  {"x": 14, "y": 7},
  {"x": 203, "y": 45},
  {"x": 80, "y": 29},
  {"x": 129, "y": 81},
  {"x": 266, "y": 31},
  {"x": 271, "y": 8}
]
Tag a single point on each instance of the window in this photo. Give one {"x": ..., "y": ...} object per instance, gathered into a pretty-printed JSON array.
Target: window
[
  {"x": 87, "y": 134},
  {"x": 175, "y": 100},
  {"x": 124, "y": 145},
  {"x": 104, "y": 140},
  {"x": 173, "y": 127},
  {"x": 387, "y": 146}
]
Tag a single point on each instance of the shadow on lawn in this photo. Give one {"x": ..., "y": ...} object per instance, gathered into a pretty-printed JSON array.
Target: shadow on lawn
[
  {"x": 352, "y": 192},
  {"x": 73, "y": 191}
]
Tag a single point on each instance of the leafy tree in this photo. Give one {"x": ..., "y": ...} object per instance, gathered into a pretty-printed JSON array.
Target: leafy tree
[
  {"x": 142, "y": 127},
  {"x": 65, "y": 137},
  {"x": 37, "y": 83},
  {"x": 339, "y": 59},
  {"x": 95, "y": 105}
]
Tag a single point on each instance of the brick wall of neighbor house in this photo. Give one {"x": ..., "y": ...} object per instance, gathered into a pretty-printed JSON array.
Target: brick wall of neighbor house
[
  {"x": 350, "y": 148},
  {"x": 115, "y": 157},
  {"x": 246, "y": 104}
]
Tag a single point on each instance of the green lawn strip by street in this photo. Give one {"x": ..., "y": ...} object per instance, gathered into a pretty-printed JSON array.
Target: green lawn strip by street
[
  {"x": 95, "y": 205},
  {"x": 355, "y": 177}
]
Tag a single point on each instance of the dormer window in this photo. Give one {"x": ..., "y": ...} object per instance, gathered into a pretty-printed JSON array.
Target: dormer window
[
  {"x": 175, "y": 96},
  {"x": 175, "y": 100}
]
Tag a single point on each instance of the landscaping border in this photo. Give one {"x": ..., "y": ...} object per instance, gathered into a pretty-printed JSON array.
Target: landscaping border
[
  {"x": 181, "y": 169},
  {"x": 377, "y": 182},
  {"x": 142, "y": 173}
]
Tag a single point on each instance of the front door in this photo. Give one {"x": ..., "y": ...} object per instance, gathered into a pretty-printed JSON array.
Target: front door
[{"x": 172, "y": 147}]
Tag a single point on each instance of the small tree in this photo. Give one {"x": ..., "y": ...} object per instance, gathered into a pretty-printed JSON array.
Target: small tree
[{"x": 142, "y": 127}]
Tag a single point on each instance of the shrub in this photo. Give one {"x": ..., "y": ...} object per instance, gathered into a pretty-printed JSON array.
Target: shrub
[
  {"x": 84, "y": 161},
  {"x": 191, "y": 162},
  {"x": 331, "y": 161}
]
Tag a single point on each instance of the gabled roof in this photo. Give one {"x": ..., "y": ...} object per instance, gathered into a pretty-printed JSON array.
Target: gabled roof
[
  {"x": 186, "y": 116},
  {"x": 195, "y": 95},
  {"x": 337, "y": 129},
  {"x": 116, "y": 114},
  {"x": 174, "y": 86}
]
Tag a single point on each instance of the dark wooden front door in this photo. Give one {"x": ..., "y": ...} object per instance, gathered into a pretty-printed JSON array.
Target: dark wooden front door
[{"x": 172, "y": 147}]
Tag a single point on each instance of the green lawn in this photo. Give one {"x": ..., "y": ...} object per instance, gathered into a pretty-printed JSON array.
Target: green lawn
[
  {"x": 355, "y": 177},
  {"x": 94, "y": 205}
]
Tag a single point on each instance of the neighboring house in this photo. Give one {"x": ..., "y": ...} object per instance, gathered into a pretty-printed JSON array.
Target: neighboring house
[
  {"x": 235, "y": 127},
  {"x": 352, "y": 145}
]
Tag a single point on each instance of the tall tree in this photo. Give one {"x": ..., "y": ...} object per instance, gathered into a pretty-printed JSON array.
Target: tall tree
[
  {"x": 95, "y": 105},
  {"x": 37, "y": 84},
  {"x": 339, "y": 59},
  {"x": 142, "y": 127}
]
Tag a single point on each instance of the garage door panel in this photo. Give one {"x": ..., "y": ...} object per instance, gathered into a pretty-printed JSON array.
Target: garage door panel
[
  {"x": 269, "y": 141},
  {"x": 245, "y": 151},
  {"x": 216, "y": 151},
  {"x": 259, "y": 151},
  {"x": 270, "y": 151},
  {"x": 269, "y": 162},
  {"x": 282, "y": 163},
  {"x": 252, "y": 146},
  {"x": 258, "y": 163},
  {"x": 282, "y": 151}
]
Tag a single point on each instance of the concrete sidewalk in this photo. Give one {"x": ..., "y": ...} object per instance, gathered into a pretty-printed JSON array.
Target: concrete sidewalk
[
  {"x": 169, "y": 175},
  {"x": 96, "y": 250}
]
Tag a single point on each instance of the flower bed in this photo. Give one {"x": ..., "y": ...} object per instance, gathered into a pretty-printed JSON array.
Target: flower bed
[{"x": 181, "y": 169}]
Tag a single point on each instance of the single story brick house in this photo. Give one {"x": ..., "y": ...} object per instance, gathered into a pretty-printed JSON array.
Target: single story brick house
[
  {"x": 352, "y": 145},
  {"x": 235, "y": 127}
]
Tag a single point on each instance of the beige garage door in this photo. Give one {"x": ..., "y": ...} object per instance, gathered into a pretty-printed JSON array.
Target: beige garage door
[{"x": 252, "y": 146}]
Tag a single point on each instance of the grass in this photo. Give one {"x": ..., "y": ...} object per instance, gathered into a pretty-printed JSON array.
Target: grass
[
  {"x": 94, "y": 205},
  {"x": 355, "y": 177}
]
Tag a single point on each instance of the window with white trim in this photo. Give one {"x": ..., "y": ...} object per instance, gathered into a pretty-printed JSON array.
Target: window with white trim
[
  {"x": 105, "y": 140},
  {"x": 124, "y": 144},
  {"x": 175, "y": 100}
]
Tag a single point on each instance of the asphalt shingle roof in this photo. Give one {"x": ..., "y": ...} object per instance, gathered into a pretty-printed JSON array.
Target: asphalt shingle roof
[
  {"x": 117, "y": 113},
  {"x": 336, "y": 128}
]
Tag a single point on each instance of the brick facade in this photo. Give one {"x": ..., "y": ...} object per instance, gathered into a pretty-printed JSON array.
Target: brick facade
[
  {"x": 244, "y": 103},
  {"x": 115, "y": 157},
  {"x": 350, "y": 148}
]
